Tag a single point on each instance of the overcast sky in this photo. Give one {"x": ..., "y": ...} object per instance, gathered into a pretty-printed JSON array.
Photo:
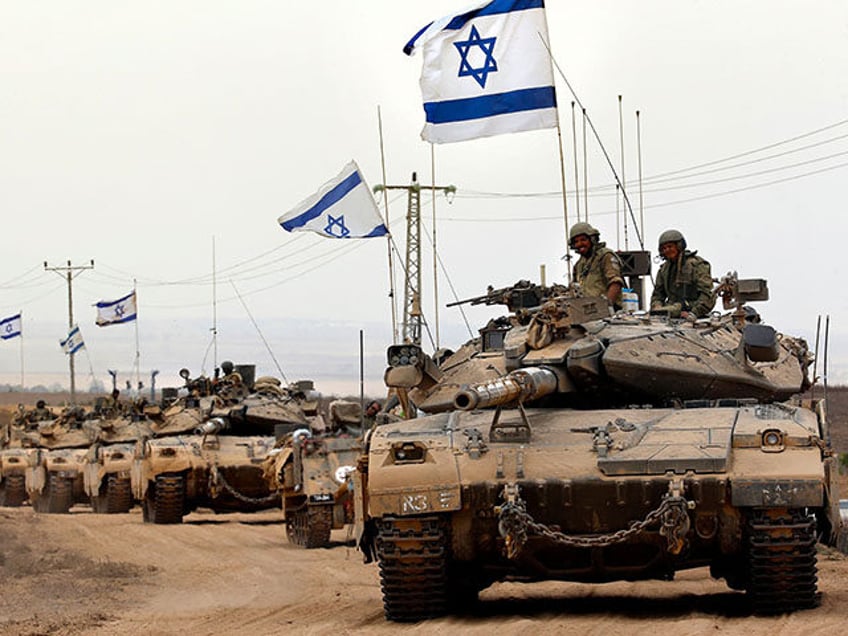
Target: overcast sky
[{"x": 140, "y": 134}]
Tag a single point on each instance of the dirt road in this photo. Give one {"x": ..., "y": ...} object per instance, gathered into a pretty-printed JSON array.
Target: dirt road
[{"x": 114, "y": 575}]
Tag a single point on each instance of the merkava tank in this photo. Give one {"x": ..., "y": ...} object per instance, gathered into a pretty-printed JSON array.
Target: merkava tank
[
  {"x": 117, "y": 430},
  {"x": 571, "y": 444},
  {"x": 55, "y": 482},
  {"x": 206, "y": 452},
  {"x": 312, "y": 468},
  {"x": 19, "y": 452}
]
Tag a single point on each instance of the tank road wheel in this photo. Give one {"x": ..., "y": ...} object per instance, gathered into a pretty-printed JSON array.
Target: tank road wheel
[
  {"x": 413, "y": 556},
  {"x": 13, "y": 491},
  {"x": 781, "y": 560},
  {"x": 115, "y": 496},
  {"x": 165, "y": 500},
  {"x": 57, "y": 496},
  {"x": 309, "y": 527}
]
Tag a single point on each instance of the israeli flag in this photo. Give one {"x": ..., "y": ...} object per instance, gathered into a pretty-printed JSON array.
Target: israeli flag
[
  {"x": 10, "y": 327},
  {"x": 116, "y": 311},
  {"x": 342, "y": 208},
  {"x": 486, "y": 72},
  {"x": 73, "y": 342}
]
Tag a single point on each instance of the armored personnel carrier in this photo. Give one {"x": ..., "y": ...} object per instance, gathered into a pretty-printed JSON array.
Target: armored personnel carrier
[
  {"x": 574, "y": 444},
  {"x": 206, "y": 452},
  {"x": 312, "y": 468}
]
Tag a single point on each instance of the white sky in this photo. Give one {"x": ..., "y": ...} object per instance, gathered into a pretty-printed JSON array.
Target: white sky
[{"x": 133, "y": 133}]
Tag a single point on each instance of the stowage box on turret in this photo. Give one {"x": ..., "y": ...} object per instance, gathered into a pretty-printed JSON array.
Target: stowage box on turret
[{"x": 570, "y": 443}]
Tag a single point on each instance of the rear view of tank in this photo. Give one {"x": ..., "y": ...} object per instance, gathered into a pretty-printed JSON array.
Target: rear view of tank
[{"x": 572, "y": 443}]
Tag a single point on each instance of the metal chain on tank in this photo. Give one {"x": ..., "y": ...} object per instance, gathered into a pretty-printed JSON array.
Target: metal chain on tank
[
  {"x": 217, "y": 481},
  {"x": 515, "y": 525}
]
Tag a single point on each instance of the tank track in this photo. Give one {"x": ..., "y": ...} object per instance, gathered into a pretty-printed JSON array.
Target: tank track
[
  {"x": 57, "y": 496},
  {"x": 13, "y": 491},
  {"x": 781, "y": 561},
  {"x": 310, "y": 526},
  {"x": 115, "y": 496},
  {"x": 413, "y": 556},
  {"x": 165, "y": 500}
]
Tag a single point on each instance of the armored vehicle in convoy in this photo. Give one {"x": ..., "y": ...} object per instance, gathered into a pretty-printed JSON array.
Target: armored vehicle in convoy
[
  {"x": 206, "y": 451},
  {"x": 572, "y": 443},
  {"x": 54, "y": 482},
  {"x": 19, "y": 454},
  {"x": 108, "y": 462},
  {"x": 312, "y": 468}
]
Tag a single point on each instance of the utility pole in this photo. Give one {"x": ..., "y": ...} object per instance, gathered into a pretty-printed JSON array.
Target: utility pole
[
  {"x": 412, "y": 315},
  {"x": 69, "y": 272}
]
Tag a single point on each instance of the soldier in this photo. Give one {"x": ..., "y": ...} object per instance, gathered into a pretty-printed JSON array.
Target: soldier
[
  {"x": 41, "y": 412},
  {"x": 684, "y": 282},
  {"x": 598, "y": 271}
]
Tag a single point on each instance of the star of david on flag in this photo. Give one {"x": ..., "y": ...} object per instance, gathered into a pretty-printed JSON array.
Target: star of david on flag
[
  {"x": 10, "y": 327},
  {"x": 342, "y": 208},
  {"x": 73, "y": 342},
  {"x": 486, "y": 71},
  {"x": 114, "y": 312}
]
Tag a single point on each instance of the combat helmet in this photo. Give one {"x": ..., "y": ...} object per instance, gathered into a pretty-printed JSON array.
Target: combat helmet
[
  {"x": 582, "y": 228},
  {"x": 671, "y": 236}
]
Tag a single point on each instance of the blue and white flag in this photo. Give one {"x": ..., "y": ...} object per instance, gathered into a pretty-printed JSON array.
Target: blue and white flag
[
  {"x": 10, "y": 327},
  {"x": 486, "y": 71},
  {"x": 73, "y": 342},
  {"x": 116, "y": 311},
  {"x": 342, "y": 208}
]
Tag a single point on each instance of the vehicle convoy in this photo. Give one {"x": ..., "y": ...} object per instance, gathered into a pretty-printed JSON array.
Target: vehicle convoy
[
  {"x": 312, "y": 468},
  {"x": 205, "y": 452},
  {"x": 570, "y": 443}
]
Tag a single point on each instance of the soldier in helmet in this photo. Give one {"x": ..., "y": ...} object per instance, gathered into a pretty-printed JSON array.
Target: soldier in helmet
[
  {"x": 684, "y": 282},
  {"x": 598, "y": 270}
]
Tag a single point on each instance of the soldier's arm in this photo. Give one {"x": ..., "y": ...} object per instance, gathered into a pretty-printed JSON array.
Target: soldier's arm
[
  {"x": 705, "y": 301},
  {"x": 613, "y": 277},
  {"x": 659, "y": 294}
]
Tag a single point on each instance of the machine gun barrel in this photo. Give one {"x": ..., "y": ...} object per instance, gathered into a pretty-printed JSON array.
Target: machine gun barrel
[
  {"x": 520, "y": 385},
  {"x": 213, "y": 426}
]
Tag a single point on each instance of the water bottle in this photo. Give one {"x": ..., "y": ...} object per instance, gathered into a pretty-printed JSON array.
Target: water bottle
[{"x": 629, "y": 300}]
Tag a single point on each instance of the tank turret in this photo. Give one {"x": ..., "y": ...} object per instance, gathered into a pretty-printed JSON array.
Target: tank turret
[{"x": 596, "y": 357}]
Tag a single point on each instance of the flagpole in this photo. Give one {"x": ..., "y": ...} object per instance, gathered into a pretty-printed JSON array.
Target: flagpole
[
  {"x": 23, "y": 388},
  {"x": 389, "y": 234},
  {"x": 435, "y": 251},
  {"x": 137, "y": 348}
]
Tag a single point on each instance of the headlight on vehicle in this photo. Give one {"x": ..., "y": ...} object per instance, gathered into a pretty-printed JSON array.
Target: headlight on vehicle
[
  {"x": 772, "y": 440},
  {"x": 408, "y": 453}
]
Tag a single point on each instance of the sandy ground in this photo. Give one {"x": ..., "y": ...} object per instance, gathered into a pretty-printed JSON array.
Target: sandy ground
[{"x": 222, "y": 574}]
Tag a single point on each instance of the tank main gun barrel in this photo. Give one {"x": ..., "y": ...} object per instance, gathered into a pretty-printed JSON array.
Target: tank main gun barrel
[
  {"x": 213, "y": 426},
  {"x": 520, "y": 385}
]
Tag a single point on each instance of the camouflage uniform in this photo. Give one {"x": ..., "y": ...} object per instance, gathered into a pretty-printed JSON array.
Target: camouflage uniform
[
  {"x": 686, "y": 282},
  {"x": 598, "y": 271}
]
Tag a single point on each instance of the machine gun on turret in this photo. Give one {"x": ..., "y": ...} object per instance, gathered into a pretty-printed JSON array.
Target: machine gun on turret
[{"x": 521, "y": 295}]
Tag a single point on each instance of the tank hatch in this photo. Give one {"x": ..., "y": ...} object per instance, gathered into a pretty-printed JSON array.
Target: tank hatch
[{"x": 696, "y": 440}]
